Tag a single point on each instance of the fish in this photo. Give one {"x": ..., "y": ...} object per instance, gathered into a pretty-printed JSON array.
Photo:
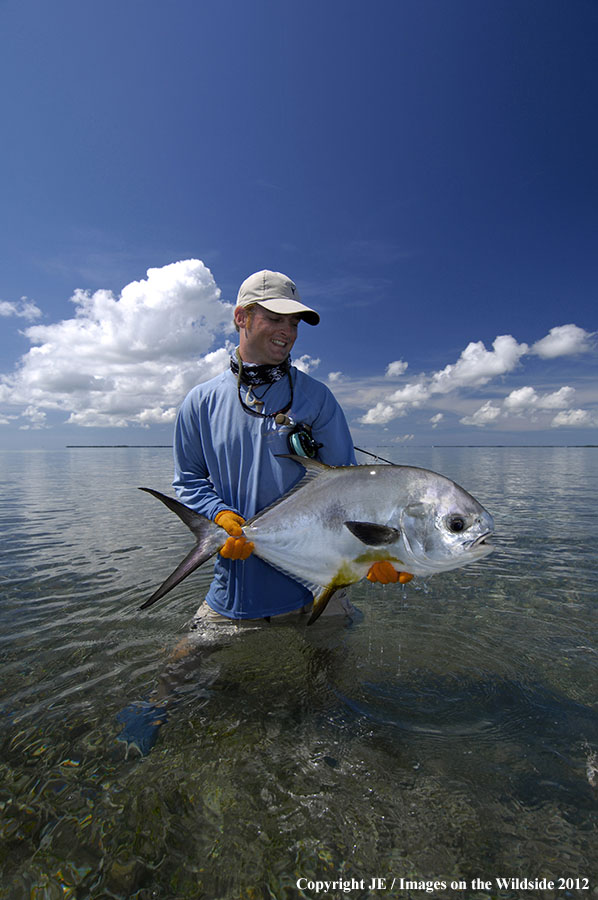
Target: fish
[{"x": 329, "y": 529}]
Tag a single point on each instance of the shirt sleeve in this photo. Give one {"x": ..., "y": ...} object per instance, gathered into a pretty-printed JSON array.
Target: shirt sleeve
[
  {"x": 191, "y": 482},
  {"x": 331, "y": 430}
]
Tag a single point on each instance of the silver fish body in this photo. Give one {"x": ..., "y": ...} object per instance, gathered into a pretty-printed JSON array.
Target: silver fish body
[{"x": 328, "y": 531}]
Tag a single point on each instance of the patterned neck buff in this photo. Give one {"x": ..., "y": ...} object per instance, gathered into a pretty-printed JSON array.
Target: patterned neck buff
[{"x": 253, "y": 374}]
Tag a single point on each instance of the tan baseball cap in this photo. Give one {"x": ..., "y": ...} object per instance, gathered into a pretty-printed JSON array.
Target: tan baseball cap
[{"x": 276, "y": 292}]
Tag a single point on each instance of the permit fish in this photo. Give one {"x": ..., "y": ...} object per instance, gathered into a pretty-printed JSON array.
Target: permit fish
[{"x": 329, "y": 529}]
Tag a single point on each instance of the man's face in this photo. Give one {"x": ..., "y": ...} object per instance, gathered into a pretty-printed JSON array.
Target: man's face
[{"x": 265, "y": 338}]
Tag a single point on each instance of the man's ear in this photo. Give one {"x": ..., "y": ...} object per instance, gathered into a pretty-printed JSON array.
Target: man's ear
[{"x": 240, "y": 316}]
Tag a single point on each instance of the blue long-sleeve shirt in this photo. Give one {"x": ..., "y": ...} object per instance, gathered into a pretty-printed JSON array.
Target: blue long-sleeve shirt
[{"x": 226, "y": 458}]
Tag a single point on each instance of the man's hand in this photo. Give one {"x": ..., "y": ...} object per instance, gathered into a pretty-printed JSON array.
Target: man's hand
[
  {"x": 236, "y": 546},
  {"x": 385, "y": 573},
  {"x": 231, "y": 521}
]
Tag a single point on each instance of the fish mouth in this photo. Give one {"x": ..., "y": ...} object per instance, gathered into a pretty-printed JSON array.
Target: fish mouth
[{"x": 480, "y": 542}]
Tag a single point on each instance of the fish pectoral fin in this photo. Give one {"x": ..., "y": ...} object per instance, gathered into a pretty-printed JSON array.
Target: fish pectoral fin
[
  {"x": 321, "y": 601},
  {"x": 372, "y": 534}
]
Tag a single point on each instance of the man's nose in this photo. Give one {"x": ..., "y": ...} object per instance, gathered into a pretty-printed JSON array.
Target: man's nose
[{"x": 289, "y": 329}]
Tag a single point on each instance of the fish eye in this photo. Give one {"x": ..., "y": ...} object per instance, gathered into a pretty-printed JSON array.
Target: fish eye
[{"x": 456, "y": 524}]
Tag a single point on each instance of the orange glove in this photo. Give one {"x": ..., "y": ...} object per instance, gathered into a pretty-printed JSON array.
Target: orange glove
[
  {"x": 236, "y": 546},
  {"x": 231, "y": 521},
  {"x": 386, "y": 573}
]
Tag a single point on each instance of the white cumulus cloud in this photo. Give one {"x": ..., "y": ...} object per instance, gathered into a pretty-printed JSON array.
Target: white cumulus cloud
[
  {"x": 485, "y": 414},
  {"x": 524, "y": 399},
  {"x": 396, "y": 368},
  {"x": 573, "y": 418},
  {"x": 380, "y": 414},
  {"x": 23, "y": 309},
  {"x": 306, "y": 363},
  {"x": 558, "y": 399},
  {"x": 477, "y": 365},
  {"x": 411, "y": 395},
  {"x": 33, "y": 418},
  {"x": 521, "y": 399},
  {"x": 128, "y": 359},
  {"x": 564, "y": 340}
]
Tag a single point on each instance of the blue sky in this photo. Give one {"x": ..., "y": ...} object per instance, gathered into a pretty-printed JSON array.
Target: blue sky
[{"x": 425, "y": 171}]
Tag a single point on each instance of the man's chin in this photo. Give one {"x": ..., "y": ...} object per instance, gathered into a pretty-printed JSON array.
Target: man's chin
[{"x": 277, "y": 358}]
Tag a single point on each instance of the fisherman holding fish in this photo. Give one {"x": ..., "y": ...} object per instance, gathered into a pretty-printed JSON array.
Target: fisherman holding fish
[
  {"x": 232, "y": 441},
  {"x": 242, "y": 442}
]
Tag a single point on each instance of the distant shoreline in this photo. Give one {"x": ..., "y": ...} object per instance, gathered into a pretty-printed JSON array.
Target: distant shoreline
[
  {"x": 118, "y": 446},
  {"x": 428, "y": 446}
]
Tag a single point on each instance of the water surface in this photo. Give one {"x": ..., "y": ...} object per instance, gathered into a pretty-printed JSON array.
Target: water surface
[{"x": 451, "y": 733}]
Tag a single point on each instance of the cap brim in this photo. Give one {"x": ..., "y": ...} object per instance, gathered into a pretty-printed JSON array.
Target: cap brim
[{"x": 286, "y": 307}]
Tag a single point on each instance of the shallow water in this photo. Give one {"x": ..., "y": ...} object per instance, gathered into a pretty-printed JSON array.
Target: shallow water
[{"x": 450, "y": 734}]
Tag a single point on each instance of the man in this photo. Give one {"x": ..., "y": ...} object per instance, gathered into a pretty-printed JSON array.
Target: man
[{"x": 231, "y": 437}]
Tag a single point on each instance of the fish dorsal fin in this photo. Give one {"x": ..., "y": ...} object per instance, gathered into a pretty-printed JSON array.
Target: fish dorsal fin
[
  {"x": 372, "y": 534},
  {"x": 313, "y": 469}
]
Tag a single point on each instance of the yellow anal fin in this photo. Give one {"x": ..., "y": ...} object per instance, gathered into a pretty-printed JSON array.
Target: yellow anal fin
[{"x": 321, "y": 601}]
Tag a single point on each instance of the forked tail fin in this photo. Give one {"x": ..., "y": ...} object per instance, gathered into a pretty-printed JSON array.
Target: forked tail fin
[{"x": 210, "y": 538}]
